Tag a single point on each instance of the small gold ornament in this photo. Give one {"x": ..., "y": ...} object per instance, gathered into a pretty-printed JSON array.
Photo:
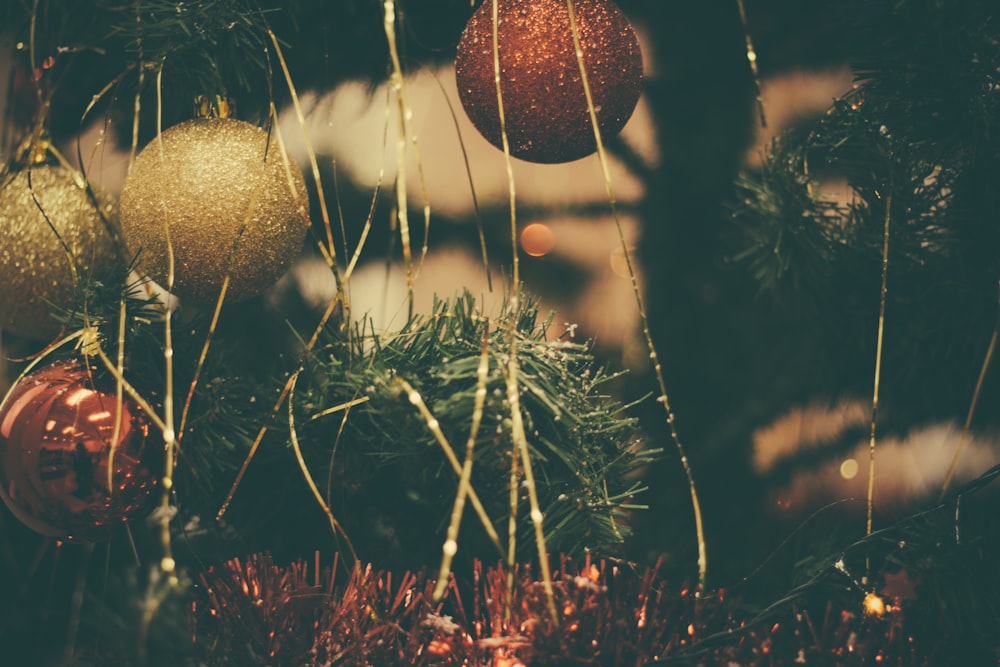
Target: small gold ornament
[
  {"x": 205, "y": 186},
  {"x": 36, "y": 273}
]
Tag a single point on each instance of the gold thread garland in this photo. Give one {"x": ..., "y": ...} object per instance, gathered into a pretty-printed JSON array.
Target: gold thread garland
[
  {"x": 119, "y": 391},
  {"x": 472, "y": 185},
  {"x": 519, "y": 441},
  {"x": 293, "y": 436},
  {"x": 658, "y": 369},
  {"x": 336, "y": 444},
  {"x": 167, "y": 562},
  {"x": 414, "y": 397},
  {"x": 878, "y": 359},
  {"x": 405, "y": 132},
  {"x": 307, "y": 348},
  {"x": 752, "y": 60},
  {"x": 972, "y": 408},
  {"x": 450, "y": 546},
  {"x": 330, "y": 253},
  {"x": 377, "y": 190}
]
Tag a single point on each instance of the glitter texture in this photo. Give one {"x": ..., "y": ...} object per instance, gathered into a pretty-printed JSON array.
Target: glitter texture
[
  {"x": 545, "y": 108},
  {"x": 206, "y": 180},
  {"x": 35, "y": 273}
]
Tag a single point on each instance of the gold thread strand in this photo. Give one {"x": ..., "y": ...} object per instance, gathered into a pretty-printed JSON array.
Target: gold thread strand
[
  {"x": 167, "y": 563},
  {"x": 340, "y": 407},
  {"x": 878, "y": 360},
  {"x": 331, "y": 306},
  {"x": 31, "y": 51},
  {"x": 406, "y": 127},
  {"x": 520, "y": 441},
  {"x": 330, "y": 251},
  {"x": 512, "y": 362},
  {"x": 450, "y": 546},
  {"x": 375, "y": 194},
  {"x": 472, "y": 185},
  {"x": 972, "y": 408},
  {"x": 313, "y": 163},
  {"x": 224, "y": 288},
  {"x": 402, "y": 216},
  {"x": 79, "y": 591},
  {"x": 138, "y": 95},
  {"x": 752, "y": 60},
  {"x": 505, "y": 142},
  {"x": 37, "y": 360},
  {"x": 119, "y": 394},
  {"x": 637, "y": 293},
  {"x": 203, "y": 356},
  {"x": 511, "y": 536},
  {"x": 336, "y": 445},
  {"x": 129, "y": 389},
  {"x": 334, "y": 524},
  {"x": 414, "y": 397}
]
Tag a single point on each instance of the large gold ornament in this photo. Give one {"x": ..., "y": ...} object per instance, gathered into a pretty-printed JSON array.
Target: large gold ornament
[
  {"x": 204, "y": 189},
  {"x": 35, "y": 268}
]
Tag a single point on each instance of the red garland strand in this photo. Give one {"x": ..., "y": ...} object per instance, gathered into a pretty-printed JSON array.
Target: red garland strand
[{"x": 256, "y": 612}]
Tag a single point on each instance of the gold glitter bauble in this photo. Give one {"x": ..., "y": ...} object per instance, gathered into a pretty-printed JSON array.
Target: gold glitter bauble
[
  {"x": 545, "y": 108},
  {"x": 35, "y": 270},
  {"x": 227, "y": 209}
]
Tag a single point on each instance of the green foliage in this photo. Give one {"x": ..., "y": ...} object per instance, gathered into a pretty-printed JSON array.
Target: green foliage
[
  {"x": 914, "y": 142},
  {"x": 390, "y": 468},
  {"x": 377, "y": 461}
]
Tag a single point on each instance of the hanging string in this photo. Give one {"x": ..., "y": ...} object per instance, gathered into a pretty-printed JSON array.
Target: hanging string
[
  {"x": 972, "y": 406},
  {"x": 752, "y": 59},
  {"x": 878, "y": 359},
  {"x": 637, "y": 293}
]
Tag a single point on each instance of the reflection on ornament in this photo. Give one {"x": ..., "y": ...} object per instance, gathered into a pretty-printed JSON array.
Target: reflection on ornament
[
  {"x": 206, "y": 187},
  {"x": 35, "y": 269},
  {"x": 56, "y": 446},
  {"x": 545, "y": 107}
]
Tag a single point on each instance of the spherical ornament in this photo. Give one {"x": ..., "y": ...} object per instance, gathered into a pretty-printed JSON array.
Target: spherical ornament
[
  {"x": 207, "y": 187},
  {"x": 58, "y": 437},
  {"x": 35, "y": 267},
  {"x": 545, "y": 107}
]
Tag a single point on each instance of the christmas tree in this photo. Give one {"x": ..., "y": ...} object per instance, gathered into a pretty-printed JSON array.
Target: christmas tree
[{"x": 512, "y": 332}]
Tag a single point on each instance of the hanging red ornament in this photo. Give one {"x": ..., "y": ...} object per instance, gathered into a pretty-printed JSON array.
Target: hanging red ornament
[
  {"x": 58, "y": 437},
  {"x": 545, "y": 107}
]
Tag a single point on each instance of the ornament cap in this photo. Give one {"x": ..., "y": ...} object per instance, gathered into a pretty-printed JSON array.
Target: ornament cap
[{"x": 214, "y": 106}]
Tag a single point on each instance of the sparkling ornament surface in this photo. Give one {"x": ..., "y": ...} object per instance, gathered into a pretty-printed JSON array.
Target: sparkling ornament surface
[
  {"x": 207, "y": 182},
  {"x": 35, "y": 269},
  {"x": 58, "y": 438},
  {"x": 545, "y": 108}
]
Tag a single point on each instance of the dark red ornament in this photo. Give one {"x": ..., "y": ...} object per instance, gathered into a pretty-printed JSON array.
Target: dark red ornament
[
  {"x": 56, "y": 447},
  {"x": 545, "y": 108}
]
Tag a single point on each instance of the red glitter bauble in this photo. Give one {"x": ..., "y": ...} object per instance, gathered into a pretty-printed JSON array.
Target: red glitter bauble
[
  {"x": 58, "y": 437},
  {"x": 545, "y": 107}
]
